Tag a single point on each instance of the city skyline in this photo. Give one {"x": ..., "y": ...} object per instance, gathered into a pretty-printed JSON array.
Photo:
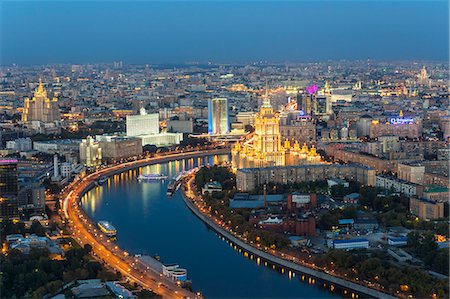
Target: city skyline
[
  {"x": 224, "y": 149},
  {"x": 223, "y": 32}
]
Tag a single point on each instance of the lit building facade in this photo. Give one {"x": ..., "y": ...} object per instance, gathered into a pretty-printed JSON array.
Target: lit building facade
[
  {"x": 161, "y": 139},
  {"x": 423, "y": 78},
  {"x": 90, "y": 152},
  {"x": 118, "y": 147},
  {"x": 218, "y": 119},
  {"x": 398, "y": 126},
  {"x": 40, "y": 107},
  {"x": 266, "y": 148},
  {"x": 142, "y": 124},
  {"x": 146, "y": 127}
]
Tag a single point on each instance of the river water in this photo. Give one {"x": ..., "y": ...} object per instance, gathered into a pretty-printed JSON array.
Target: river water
[{"x": 148, "y": 222}]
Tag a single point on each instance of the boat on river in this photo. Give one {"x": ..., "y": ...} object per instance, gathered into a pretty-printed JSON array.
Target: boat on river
[{"x": 152, "y": 177}]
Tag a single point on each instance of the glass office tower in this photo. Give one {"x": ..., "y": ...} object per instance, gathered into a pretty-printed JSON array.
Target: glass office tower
[{"x": 218, "y": 122}]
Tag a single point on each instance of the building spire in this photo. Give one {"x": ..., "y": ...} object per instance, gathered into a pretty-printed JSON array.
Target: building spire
[
  {"x": 267, "y": 88},
  {"x": 266, "y": 102},
  {"x": 40, "y": 90}
]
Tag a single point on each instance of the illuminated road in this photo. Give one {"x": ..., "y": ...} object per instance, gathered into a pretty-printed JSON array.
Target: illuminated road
[{"x": 85, "y": 231}]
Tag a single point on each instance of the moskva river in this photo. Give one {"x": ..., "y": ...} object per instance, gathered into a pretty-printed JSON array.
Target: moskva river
[{"x": 148, "y": 222}]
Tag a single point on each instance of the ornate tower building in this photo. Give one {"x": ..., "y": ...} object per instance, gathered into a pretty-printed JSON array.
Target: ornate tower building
[
  {"x": 40, "y": 107},
  {"x": 267, "y": 139},
  {"x": 265, "y": 148}
]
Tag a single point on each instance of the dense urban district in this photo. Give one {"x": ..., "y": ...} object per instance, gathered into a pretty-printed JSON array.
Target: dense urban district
[{"x": 338, "y": 166}]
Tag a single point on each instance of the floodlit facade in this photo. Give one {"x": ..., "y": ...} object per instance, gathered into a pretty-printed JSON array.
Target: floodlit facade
[
  {"x": 40, "y": 107},
  {"x": 142, "y": 124},
  {"x": 119, "y": 147},
  {"x": 90, "y": 152},
  {"x": 161, "y": 139},
  {"x": 266, "y": 147},
  {"x": 218, "y": 122},
  {"x": 146, "y": 127}
]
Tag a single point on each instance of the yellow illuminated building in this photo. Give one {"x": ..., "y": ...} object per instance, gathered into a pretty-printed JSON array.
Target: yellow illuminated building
[
  {"x": 40, "y": 107},
  {"x": 266, "y": 147}
]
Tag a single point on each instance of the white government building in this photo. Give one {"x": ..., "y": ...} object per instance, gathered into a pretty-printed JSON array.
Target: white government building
[{"x": 146, "y": 127}]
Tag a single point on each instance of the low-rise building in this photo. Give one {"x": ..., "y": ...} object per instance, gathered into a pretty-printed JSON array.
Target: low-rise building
[
  {"x": 436, "y": 193},
  {"x": 212, "y": 187},
  {"x": 119, "y": 291},
  {"x": 397, "y": 241},
  {"x": 161, "y": 139},
  {"x": 401, "y": 127},
  {"x": 247, "y": 201},
  {"x": 350, "y": 244},
  {"x": 20, "y": 144},
  {"x": 426, "y": 209},
  {"x": 399, "y": 254},
  {"x": 398, "y": 185},
  {"x": 57, "y": 146},
  {"x": 119, "y": 147},
  {"x": 355, "y": 156},
  {"x": 368, "y": 224},
  {"x": 436, "y": 179},
  {"x": 174, "y": 272},
  {"x": 247, "y": 179},
  {"x": 411, "y": 172}
]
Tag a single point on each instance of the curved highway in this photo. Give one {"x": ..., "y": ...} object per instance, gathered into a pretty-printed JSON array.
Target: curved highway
[{"x": 85, "y": 231}]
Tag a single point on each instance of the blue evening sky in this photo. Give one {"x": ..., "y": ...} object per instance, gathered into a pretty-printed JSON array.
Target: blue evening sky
[{"x": 38, "y": 32}]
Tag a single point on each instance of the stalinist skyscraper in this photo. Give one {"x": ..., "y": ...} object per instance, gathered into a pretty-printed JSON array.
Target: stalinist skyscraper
[
  {"x": 266, "y": 148},
  {"x": 40, "y": 107}
]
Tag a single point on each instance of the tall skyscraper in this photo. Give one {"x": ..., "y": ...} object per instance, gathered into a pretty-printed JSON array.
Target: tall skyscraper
[
  {"x": 218, "y": 122},
  {"x": 423, "y": 77},
  {"x": 8, "y": 189},
  {"x": 40, "y": 107},
  {"x": 142, "y": 124},
  {"x": 265, "y": 148}
]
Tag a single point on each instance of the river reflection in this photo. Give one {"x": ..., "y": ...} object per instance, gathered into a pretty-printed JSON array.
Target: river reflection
[{"x": 149, "y": 222}]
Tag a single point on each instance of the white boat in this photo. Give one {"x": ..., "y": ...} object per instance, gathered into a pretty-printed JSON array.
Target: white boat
[
  {"x": 107, "y": 228},
  {"x": 102, "y": 180},
  {"x": 152, "y": 177},
  {"x": 180, "y": 176},
  {"x": 171, "y": 187}
]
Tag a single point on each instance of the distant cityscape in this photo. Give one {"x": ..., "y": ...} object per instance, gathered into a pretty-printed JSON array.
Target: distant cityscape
[{"x": 339, "y": 167}]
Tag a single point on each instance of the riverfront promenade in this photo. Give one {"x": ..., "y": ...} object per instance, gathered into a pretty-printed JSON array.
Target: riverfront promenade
[
  {"x": 85, "y": 231},
  {"x": 189, "y": 198}
]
